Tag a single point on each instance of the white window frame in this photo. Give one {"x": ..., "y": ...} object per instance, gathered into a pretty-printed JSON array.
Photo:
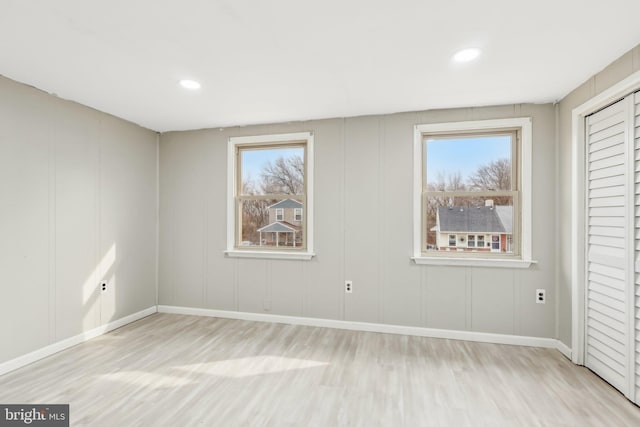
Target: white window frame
[
  {"x": 524, "y": 125},
  {"x": 297, "y": 214},
  {"x": 280, "y": 214},
  {"x": 254, "y": 252},
  {"x": 469, "y": 236},
  {"x": 455, "y": 240}
]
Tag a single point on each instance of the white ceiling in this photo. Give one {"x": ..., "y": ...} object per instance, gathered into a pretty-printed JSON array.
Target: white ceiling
[{"x": 285, "y": 60}]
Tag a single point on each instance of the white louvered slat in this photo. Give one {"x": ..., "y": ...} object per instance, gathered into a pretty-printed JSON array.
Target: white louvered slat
[
  {"x": 606, "y": 354},
  {"x": 608, "y": 162},
  {"x": 612, "y": 293},
  {"x": 607, "y": 281},
  {"x": 613, "y": 121},
  {"x": 607, "y": 152},
  {"x": 600, "y": 324},
  {"x": 613, "y": 222},
  {"x": 606, "y": 231},
  {"x": 599, "y": 202},
  {"x": 604, "y": 299},
  {"x": 603, "y": 173},
  {"x": 607, "y": 142},
  {"x": 616, "y": 346},
  {"x": 607, "y": 212},
  {"x": 607, "y": 332},
  {"x": 606, "y": 112},
  {"x": 607, "y": 133},
  {"x": 602, "y": 369},
  {"x": 613, "y": 314},
  {"x": 614, "y": 242},
  {"x": 607, "y": 192},
  {"x": 636, "y": 144},
  {"x": 606, "y": 270}
]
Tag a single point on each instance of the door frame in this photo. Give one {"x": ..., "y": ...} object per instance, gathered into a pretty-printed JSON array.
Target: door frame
[{"x": 578, "y": 218}]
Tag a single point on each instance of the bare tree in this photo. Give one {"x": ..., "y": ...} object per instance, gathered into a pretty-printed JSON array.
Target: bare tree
[
  {"x": 255, "y": 213},
  {"x": 284, "y": 176},
  {"x": 450, "y": 182},
  {"x": 495, "y": 175}
]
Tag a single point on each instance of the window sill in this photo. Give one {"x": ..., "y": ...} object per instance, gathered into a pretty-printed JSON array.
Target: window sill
[
  {"x": 474, "y": 262},
  {"x": 269, "y": 254}
]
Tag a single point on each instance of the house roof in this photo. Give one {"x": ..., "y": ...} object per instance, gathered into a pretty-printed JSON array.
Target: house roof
[
  {"x": 286, "y": 204},
  {"x": 280, "y": 227},
  {"x": 505, "y": 213},
  {"x": 480, "y": 219}
]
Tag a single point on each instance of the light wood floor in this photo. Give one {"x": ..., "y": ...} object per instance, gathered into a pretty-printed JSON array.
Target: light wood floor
[{"x": 182, "y": 370}]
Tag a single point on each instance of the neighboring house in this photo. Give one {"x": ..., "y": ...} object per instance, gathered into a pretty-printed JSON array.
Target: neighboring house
[
  {"x": 474, "y": 229},
  {"x": 285, "y": 224}
]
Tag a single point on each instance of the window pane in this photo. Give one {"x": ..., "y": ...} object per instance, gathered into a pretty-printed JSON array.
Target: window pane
[
  {"x": 470, "y": 224},
  {"x": 272, "y": 170},
  {"x": 271, "y": 223},
  {"x": 479, "y": 163},
  {"x": 471, "y": 241}
]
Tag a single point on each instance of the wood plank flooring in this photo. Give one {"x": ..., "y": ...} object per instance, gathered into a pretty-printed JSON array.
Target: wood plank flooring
[{"x": 174, "y": 370}]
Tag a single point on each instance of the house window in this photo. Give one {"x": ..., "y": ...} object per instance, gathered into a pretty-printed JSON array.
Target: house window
[
  {"x": 452, "y": 240},
  {"x": 270, "y": 183},
  {"x": 473, "y": 178}
]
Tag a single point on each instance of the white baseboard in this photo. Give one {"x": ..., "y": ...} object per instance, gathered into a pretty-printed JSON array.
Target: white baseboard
[
  {"x": 564, "y": 349},
  {"x": 43, "y": 352},
  {"x": 371, "y": 327},
  {"x": 273, "y": 318}
]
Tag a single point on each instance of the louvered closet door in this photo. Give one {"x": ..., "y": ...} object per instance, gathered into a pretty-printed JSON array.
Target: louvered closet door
[
  {"x": 607, "y": 349},
  {"x": 636, "y": 326}
]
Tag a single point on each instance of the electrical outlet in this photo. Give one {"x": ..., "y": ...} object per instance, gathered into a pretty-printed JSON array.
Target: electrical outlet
[
  {"x": 348, "y": 286},
  {"x": 541, "y": 296},
  {"x": 103, "y": 286}
]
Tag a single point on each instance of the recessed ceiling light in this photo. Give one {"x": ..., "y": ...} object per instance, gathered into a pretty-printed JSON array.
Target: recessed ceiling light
[
  {"x": 190, "y": 84},
  {"x": 466, "y": 55}
]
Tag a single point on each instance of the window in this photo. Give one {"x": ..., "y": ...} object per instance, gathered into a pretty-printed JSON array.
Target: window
[
  {"x": 270, "y": 184},
  {"x": 473, "y": 178}
]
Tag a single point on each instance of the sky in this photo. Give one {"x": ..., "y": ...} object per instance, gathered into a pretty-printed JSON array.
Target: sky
[
  {"x": 464, "y": 155},
  {"x": 254, "y": 160},
  {"x": 443, "y": 155}
]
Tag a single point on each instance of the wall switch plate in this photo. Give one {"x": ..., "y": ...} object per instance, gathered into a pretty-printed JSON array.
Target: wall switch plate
[
  {"x": 541, "y": 296},
  {"x": 103, "y": 286}
]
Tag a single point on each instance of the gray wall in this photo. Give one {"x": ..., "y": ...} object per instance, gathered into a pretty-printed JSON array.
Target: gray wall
[
  {"x": 363, "y": 217},
  {"x": 74, "y": 183},
  {"x": 612, "y": 74}
]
